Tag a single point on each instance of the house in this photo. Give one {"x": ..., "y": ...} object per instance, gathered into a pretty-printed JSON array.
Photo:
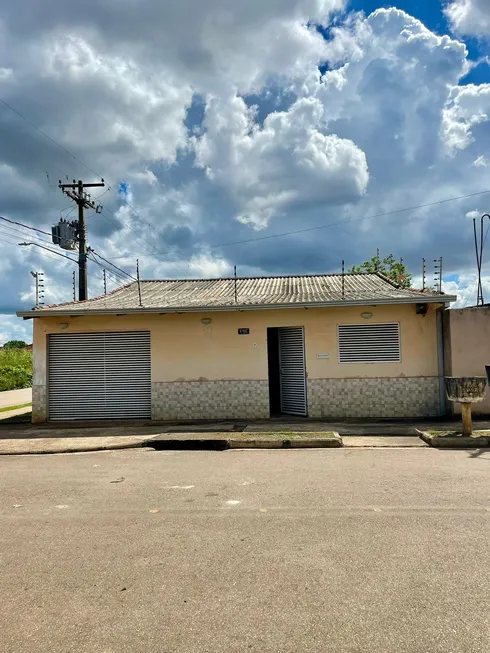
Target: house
[{"x": 325, "y": 346}]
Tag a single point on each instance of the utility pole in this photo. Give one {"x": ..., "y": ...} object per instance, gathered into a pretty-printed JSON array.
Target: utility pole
[
  {"x": 39, "y": 277},
  {"x": 76, "y": 192}
]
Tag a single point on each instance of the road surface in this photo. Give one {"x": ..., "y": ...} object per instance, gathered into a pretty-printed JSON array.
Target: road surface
[
  {"x": 324, "y": 551},
  {"x": 15, "y": 397}
]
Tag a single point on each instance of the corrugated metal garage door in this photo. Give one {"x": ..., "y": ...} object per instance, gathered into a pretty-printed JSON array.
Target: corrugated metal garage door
[
  {"x": 99, "y": 375},
  {"x": 292, "y": 370}
]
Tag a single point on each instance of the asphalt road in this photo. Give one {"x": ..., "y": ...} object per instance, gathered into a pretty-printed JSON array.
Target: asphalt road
[
  {"x": 369, "y": 551},
  {"x": 15, "y": 397}
]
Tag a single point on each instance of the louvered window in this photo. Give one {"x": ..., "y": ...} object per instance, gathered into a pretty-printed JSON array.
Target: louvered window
[{"x": 369, "y": 343}]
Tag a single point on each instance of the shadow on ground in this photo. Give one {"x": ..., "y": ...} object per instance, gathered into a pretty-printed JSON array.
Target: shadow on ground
[{"x": 20, "y": 427}]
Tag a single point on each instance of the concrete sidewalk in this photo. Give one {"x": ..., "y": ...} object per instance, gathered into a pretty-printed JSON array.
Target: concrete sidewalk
[
  {"x": 189, "y": 441},
  {"x": 20, "y": 427},
  {"x": 195, "y": 441},
  {"x": 20, "y": 437},
  {"x": 68, "y": 445},
  {"x": 15, "y": 397}
]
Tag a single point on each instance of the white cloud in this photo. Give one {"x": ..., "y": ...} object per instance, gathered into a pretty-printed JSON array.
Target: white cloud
[
  {"x": 205, "y": 265},
  {"x": 11, "y": 328},
  {"x": 392, "y": 55},
  {"x": 470, "y": 17},
  {"x": 467, "y": 107},
  {"x": 480, "y": 162},
  {"x": 466, "y": 289},
  {"x": 138, "y": 109},
  {"x": 286, "y": 162}
]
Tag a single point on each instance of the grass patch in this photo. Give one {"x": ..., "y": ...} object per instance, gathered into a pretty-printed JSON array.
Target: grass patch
[
  {"x": 15, "y": 369},
  {"x": 442, "y": 434},
  {"x": 457, "y": 434},
  {"x": 8, "y": 408},
  {"x": 281, "y": 435}
]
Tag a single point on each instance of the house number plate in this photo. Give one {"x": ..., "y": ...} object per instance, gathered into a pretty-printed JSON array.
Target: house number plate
[{"x": 243, "y": 332}]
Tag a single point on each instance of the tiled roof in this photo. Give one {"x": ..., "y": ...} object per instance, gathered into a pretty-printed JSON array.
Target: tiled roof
[{"x": 260, "y": 292}]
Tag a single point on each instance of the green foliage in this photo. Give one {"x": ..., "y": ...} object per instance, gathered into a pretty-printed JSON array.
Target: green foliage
[
  {"x": 15, "y": 344},
  {"x": 15, "y": 369},
  {"x": 389, "y": 266}
]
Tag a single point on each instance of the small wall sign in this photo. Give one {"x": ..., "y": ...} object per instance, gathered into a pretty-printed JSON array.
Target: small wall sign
[
  {"x": 323, "y": 355},
  {"x": 243, "y": 332}
]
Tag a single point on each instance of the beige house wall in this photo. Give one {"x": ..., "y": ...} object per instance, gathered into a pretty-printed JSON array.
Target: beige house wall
[
  {"x": 467, "y": 348},
  {"x": 201, "y": 371}
]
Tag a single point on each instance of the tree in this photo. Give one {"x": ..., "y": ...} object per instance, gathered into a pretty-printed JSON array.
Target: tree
[
  {"x": 389, "y": 266},
  {"x": 15, "y": 344}
]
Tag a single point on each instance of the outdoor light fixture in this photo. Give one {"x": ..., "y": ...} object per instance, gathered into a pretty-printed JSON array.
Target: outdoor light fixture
[
  {"x": 206, "y": 321},
  {"x": 367, "y": 316},
  {"x": 63, "y": 325}
]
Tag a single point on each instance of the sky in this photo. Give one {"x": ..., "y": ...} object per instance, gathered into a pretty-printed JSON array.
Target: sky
[{"x": 281, "y": 137}]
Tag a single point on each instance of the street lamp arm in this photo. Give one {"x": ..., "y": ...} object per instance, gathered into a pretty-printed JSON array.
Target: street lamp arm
[{"x": 52, "y": 251}]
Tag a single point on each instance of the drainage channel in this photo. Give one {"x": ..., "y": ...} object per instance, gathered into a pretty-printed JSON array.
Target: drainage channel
[{"x": 188, "y": 445}]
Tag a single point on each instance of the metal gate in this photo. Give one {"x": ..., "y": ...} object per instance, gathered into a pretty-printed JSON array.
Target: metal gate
[
  {"x": 99, "y": 375},
  {"x": 292, "y": 371}
]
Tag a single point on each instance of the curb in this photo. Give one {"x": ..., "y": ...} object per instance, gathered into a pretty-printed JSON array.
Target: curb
[
  {"x": 313, "y": 443},
  {"x": 455, "y": 441},
  {"x": 221, "y": 444},
  {"x": 36, "y": 446},
  {"x": 74, "y": 449},
  {"x": 196, "y": 445},
  {"x": 44, "y": 446}
]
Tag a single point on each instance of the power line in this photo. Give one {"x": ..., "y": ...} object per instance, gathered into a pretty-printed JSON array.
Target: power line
[
  {"x": 15, "y": 242},
  {"x": 114, "y": 266},
  {"x": 342, "y": 222},
  {"x": 96, "y": 199},
  {"x": 53, "y": 251},
  {"x": 109, "y": 187},
  {"x": 44, "y": 240},
  {"x": 8, "y": 238},
  {"x": 114, "y": 276},
  {"x": 153, "y": 251},
  {"x": 114, "y": 273},
  {"x": 24, "y": 234},
  {"x": 239, "y": 242},
  {"x": 117, "y": 280},
  {"x": 41, "y": 131},
  {"x": 120, "y": 222},
  {"x": 26, "y": 226}
]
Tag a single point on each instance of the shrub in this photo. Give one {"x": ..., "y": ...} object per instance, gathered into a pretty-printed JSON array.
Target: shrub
[
  {"x": 15, "y": 369},
  {"x": 15, "y": 344}
]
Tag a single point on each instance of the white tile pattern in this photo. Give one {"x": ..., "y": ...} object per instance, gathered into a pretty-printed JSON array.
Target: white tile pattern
[{"x": 379, "y": 397}]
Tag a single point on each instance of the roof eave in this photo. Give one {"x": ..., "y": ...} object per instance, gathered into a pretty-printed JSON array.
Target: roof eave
[{"x": 443, "y": 299}]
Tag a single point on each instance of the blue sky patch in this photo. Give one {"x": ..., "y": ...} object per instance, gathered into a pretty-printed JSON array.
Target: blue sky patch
[{"x": 123, "y": 189}]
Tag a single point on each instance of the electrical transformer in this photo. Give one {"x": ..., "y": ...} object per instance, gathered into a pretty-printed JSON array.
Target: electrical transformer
[{"x": 64, "y": 234}]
